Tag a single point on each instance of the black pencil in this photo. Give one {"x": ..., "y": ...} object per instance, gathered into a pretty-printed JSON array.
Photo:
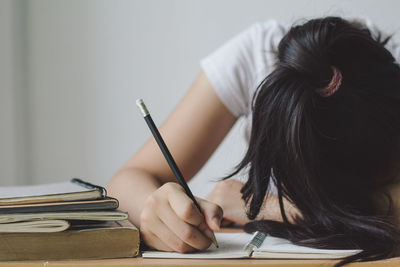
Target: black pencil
[{"x": 168, "y": 156}]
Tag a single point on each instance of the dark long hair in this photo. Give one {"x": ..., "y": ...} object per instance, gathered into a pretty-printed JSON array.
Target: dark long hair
[{"x": 332, "y": 157}]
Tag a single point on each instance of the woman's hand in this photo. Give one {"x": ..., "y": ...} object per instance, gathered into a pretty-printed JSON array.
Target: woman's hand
[
  {"x": 170, "y": 221},
  {"x": 226, "y": 194}
]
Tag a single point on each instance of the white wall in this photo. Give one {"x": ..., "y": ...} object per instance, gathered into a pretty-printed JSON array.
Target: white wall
[
  {"x": 12, "y": 99},
  {"x": 7, "y": 140},
  {"x": 71, "y": 72}
]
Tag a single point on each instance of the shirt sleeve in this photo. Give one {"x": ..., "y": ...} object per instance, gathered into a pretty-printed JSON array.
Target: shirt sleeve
[{"x": 233, "y": 67}]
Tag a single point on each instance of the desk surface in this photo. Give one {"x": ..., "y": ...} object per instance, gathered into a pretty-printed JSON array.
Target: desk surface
[
  {"x": 139, "y": 261},
  {"x": 197, "y": 263}
]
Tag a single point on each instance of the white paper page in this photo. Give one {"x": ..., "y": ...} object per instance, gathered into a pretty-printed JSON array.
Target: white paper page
[
  {"x": 275, "y": 244},
  {"x": 38, "y": 190},
  {"x": 282, "y": 255},
  {"x": 68, "y": 215},
  {"x": 45, "y": 226},
  {"x": 231, "y": 245}
]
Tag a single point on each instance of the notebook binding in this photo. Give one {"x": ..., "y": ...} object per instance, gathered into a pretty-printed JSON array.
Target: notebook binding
[
  {"x": 255, "y": 242},
  {"x": 88, "y": 185}
]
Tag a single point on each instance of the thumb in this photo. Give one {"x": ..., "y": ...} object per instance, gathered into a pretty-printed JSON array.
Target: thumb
[{"x": 212, "y": 212}]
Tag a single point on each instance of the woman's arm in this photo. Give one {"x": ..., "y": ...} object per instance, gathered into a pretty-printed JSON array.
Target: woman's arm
[
  {"x": 145, "y": 186},
  {"x": 227, "y": 195}
]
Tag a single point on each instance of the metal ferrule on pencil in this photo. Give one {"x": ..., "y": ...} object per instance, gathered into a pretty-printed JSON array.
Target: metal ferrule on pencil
[{"x": 142, "y": 107}]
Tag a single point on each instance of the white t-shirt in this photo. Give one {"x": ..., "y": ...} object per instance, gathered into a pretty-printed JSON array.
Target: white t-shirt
[{"x": 237, "y": 68}]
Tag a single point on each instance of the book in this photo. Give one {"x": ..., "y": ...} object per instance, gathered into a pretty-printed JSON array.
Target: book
[
  {"x": 108, "y": 203},
  {"x": 99, "y": 215},
  {"x": 97, "y": 241},
  {"x": 42, "y": 226},
  {"x": 260, "y": 245},
  {"x": 73, "y": 190}
]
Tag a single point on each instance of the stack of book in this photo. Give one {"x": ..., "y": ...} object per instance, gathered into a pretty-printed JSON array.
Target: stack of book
[{"x": 69, "y": 220}]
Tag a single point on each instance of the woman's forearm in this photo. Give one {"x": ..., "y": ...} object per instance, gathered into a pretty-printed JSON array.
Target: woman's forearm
[
  {"x": 227, "y": 195},
  {"x": 271, "y": 209}
]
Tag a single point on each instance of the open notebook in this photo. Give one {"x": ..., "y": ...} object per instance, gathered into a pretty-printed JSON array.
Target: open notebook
[{"x": 259, "y": 245}]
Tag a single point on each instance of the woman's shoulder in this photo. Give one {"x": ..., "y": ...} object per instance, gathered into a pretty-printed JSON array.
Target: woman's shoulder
[
  {"x": 269, "y": 26},
  {"x": 268, "y": 32},
  {"x": 236, "y": 67}
]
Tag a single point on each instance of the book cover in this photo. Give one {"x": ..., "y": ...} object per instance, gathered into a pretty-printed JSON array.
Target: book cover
[
  {"x": 107, "y": 203},
  {"x": 75, "y": 189}
]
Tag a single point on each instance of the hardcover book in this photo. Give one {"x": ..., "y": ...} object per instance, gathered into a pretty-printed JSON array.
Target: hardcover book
[{"x": 93, "y": 241}]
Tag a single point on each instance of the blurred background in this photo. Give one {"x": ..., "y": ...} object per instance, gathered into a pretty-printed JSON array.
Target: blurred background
[{"x": 71, "y": 70}]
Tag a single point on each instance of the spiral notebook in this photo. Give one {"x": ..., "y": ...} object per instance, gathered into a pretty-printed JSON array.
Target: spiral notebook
[{"x": 259, "y": 245}]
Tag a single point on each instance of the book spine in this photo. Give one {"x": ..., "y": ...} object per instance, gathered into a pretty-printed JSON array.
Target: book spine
[
  {"x": 80, "y": 244},
  {"x": 88, "y": 185}
]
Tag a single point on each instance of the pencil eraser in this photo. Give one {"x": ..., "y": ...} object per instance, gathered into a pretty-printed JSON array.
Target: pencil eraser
[
  {"x": 139, "y": 102},
  {"x": 142, "y": 107}
]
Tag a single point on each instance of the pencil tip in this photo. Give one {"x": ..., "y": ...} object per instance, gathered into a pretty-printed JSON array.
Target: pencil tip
[{"x": 214, "y": 240}]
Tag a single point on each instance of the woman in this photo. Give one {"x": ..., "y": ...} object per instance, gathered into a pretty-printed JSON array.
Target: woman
[{"x": 324, "y": 128}]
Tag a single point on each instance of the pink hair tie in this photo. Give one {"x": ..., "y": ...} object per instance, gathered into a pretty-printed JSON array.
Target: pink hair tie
[{"x": 333, "y": 85}]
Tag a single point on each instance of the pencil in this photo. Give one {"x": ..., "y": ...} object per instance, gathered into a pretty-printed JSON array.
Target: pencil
[{"x": 169, "y": 158}]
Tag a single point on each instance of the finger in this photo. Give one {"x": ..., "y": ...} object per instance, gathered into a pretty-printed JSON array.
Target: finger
[
  {"x": 149, "y": 221},
  {"x": 186, "y": 210},
  {"x": 184, "y": 207},
  {"x": 166, "y": 236},
  {"x": 186, "y": 232},
  {"x": 153, "y": 241},
  {"x": 212, "y": 212}
]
